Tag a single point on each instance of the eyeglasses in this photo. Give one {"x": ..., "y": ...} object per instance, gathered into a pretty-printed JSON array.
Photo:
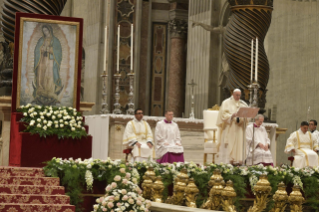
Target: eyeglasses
[{"x": 139, "y": 113}]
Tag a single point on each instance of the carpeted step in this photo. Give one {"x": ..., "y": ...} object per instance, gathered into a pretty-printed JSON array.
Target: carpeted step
[
  {"x": 7, "y": 171},
  {"x": 36, "y": 207},
  {"x": 31, "y": 189},
  {"x": 34, "y": 199},
  {"x": 44, "y": 181}
]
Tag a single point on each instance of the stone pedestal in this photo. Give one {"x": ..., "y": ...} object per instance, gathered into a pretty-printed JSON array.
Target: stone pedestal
[{"x": 5, "y": 117}]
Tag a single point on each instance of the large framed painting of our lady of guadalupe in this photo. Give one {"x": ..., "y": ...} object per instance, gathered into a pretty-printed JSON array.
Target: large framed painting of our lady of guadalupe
[{"x": 47, "y": 61}]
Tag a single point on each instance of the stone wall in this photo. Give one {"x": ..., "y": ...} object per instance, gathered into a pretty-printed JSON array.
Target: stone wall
[
  {"x": 292, "y": 48},
  {"x": 95, "y": 19}
]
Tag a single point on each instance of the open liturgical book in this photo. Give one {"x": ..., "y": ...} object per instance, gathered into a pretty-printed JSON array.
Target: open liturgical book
[{"x": 247, "y": 112}]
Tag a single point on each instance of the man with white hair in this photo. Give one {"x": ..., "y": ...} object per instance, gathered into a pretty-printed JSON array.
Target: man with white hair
[
  {"x": 230, "y": 147},
  {"x": 257, "y": 142}
]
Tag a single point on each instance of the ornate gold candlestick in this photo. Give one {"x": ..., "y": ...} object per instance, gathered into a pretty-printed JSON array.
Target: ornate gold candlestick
[
  {"x": 130, "y": 110},
  {"x": 117, "y": 105},
  {"x": 157, "y": 190},
  {"x": 280, "y": 198},
  {"x": 255, "y": 87},
  {"x": 296, "y": 199},
  {"x": 104, "y": 105},
  {"x": 191, "y": 193},
  {"x": 228, "y": 196},
  {"x": 179, "y": 188},
  {"x": 262, "y": 190},
  {"x": 216, "y": 176},
  {"x": 147, "y": 187}
]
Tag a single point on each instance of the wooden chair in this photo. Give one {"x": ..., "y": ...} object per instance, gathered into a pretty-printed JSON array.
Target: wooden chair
[
  {"x": 128, "y": 152},
  {"x": 291, "y": 158},
  {"x": 210, "y": 132}
]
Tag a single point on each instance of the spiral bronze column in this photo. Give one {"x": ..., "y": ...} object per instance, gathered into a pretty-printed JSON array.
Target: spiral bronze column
[
  {"x": 250, "y": 19},
  {"x": 10, "y": 7}
]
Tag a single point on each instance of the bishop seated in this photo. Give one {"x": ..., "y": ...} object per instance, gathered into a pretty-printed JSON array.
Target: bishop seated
[
  {"x": 257, "y": 138},
  {"x": 303, "y": 144},
  {"x": 139, "y": 137},
  {"x": 168, "y": 140}
]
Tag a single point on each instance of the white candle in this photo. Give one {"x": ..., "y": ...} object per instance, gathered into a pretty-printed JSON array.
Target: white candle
[
  {"x": 105, "y": 48},
  {"x": 252, "y": 61},
  {"x": 118, "y": 49},
  {"x": 256, "y": 66},
  {"x": 132, "y": 47}
]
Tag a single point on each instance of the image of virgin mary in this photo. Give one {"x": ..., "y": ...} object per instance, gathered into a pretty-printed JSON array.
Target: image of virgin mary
[{"x": 47, "y": 84}]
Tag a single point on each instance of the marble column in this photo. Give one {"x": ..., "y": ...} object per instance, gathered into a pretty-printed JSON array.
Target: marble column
[{"x": 177, "y": 67}]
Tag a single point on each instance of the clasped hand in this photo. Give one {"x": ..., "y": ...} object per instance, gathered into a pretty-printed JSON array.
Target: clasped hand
[
  {"x": 148, "y": 144},
  {"x": 265, "y": 147}
]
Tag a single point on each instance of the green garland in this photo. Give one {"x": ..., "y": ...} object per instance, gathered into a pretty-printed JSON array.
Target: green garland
[
  {"x": 73, "y": 175},
  {"x": 65, "y": 122}
]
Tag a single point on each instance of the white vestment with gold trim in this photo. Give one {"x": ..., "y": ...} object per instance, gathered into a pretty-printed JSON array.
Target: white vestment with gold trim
[
  {"x": 304, "y": 145},
  {"x": 231, "y": 132},
  {"x": 141, "y": 132}
]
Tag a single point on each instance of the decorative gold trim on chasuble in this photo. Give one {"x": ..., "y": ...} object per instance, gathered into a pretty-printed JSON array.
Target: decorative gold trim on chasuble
[{"x": 301, "y": 149}]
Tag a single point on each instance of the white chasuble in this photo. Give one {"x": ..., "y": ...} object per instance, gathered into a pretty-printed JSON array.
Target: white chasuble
[
  {"x": 260, "y": 135},
  {"x": 230, "y": 132},
  {"x": 304, "y": 145},
  {"x": 141, "y": 132},
  {"x": 167, "y": 136}
]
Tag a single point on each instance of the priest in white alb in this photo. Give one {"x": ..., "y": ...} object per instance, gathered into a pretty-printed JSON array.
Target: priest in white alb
[
  {"x": 169, "y": 148},
  {"x": 231, "y": 129},
  {"x": 304, "y": 145},
  {"x": 313, "y": 129},
  {"x": 139, "y": 137},
  {"x": 258, "y": 143}
]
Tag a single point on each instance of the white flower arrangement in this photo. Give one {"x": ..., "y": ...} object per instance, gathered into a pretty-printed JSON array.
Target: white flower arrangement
[
  {"x": 89, "y": 179},
  {"x": 47, "y": 120},
  {"x": 122, "y": 195}
]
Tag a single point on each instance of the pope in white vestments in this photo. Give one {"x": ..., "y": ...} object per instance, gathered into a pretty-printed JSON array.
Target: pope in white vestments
[
  {"x": 138, "y": 136},
  {"x": 303, "y": 144},
  {"x": 231, "y": 129},
  {"x": 168, "y": 140},
  {"x": 257, "y": 134}
]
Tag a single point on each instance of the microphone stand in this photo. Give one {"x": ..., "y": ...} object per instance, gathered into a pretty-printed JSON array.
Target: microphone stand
[{"x": 253, "y": 143}]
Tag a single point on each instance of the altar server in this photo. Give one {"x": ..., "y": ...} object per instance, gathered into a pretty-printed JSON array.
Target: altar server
[
  {"x": 138, "y": 136},
  {"x": 257, "y": 138},
  {"x": 313, "y": 129},
  {"x": 303, "y": 144},
  {"x": 168, "y": 140},
  {"x": 231, "y": 129}
]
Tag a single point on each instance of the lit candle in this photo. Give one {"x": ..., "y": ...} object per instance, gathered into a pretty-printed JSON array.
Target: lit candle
[
  {"x": 132, "y": 47},
  {"x": 118, "y": 49},
  {"x": 256, "y": 66},
  {"x": 105, "y": 47},
  {"x": 252, "y": 60}
]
